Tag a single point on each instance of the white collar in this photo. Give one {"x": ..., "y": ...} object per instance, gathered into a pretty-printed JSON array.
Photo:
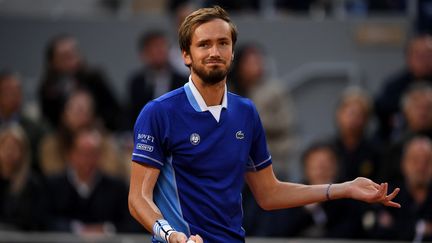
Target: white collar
[{"x": 200, "y": 100}]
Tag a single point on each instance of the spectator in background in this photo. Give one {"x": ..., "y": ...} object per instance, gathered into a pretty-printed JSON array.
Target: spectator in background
[
  {"x": 358, "y": 155},
  {"x": 78, "y": 114},
  {"x": 248, "y": 79},
  {"x": 418, "y": 68},
  {"x": 415, "y": 196},
  {"x": 320, "y": 163},
  {"x": 417, "y": 110},
  {"x": 156, "y": 76},
  {"x": 66, "y": 71},
  {"x": 22, "y": 201},
  {"x": 10, "y": 113},
  {"x": 10, "y": 98},
  {"x": 179, "y": 9},
  {"x": 417, "y": 119},
  {"x": 84, "y": 200}
]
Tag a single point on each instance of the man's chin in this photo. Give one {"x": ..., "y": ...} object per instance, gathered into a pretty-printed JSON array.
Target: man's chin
[
  {"x": 213, "y": 80},
  {"x": 211, "y": 75}
]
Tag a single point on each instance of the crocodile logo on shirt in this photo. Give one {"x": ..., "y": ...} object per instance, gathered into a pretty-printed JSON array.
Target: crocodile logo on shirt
[{"x": 240, "y": 135}]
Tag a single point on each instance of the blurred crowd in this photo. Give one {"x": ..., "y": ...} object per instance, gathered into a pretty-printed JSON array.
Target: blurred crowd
[
  {"x": 68, "y": 170},
  {"x": 316, "y": 9},
  {"x": 398, "y": 150}
]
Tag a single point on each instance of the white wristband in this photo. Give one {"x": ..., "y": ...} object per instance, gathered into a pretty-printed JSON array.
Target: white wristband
[{"x": 162, "y": 230}]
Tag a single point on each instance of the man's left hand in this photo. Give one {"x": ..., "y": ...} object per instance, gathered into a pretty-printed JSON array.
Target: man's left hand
[{"x": 366, "y": 190}]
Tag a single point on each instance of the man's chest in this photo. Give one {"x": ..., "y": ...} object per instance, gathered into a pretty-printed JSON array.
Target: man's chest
[{"x": 211, "y": 145}]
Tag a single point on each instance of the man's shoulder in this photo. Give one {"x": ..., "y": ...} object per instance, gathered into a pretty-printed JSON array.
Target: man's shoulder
[
  {"x": 239, "y": 101},
  {"x": 168, "y": 101}
]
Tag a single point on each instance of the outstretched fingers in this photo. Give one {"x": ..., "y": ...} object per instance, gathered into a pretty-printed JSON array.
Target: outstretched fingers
[
  {"x": 393, "y": 194},
  {"x": 371, "y": 192},
  {"x": 392, "y": 204},
  {"x": 388, "y": 199}
]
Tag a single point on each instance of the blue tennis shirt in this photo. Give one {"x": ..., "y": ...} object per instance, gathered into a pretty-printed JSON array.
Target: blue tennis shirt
[{"x": 202, "y": 161}]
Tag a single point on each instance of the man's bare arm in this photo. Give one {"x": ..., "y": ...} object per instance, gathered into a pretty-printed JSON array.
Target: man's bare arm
[
  {"x": 270, "y": 193},
  {"x": 141, "y": 206}
]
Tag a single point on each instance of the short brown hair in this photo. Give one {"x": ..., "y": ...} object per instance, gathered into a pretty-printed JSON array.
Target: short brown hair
[{"x": 201, "y": 16}]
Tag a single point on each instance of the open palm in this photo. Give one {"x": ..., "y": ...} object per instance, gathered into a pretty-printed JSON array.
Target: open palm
[{"x": 366, "y": 190}]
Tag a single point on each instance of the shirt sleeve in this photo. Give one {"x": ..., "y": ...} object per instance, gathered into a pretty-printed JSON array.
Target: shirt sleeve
[
  {"x": 259, "y": 156},
  {"x": 150, "y": 136}
]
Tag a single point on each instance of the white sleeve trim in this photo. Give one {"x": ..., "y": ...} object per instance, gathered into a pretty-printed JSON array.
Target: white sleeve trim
[
  {"x": 254, "y": 166},
  {"x": 147, "y": 157}
]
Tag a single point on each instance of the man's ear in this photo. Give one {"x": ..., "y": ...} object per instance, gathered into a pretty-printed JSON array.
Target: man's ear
[
  {"x": 232, "y": 57},
  {"x": 187, "y": 58}
]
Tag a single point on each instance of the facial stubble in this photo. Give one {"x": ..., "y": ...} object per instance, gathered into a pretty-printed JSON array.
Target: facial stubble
[{"x": 212, "y": 76}]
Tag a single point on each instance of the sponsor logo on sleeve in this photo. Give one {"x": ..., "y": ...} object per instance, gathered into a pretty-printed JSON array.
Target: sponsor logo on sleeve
[
  {"x": 144, "y": 147},
  {"x": 145, "y": 138}
]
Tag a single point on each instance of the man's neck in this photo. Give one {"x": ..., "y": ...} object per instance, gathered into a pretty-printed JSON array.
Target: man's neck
[{"x": 212, "y": 93}]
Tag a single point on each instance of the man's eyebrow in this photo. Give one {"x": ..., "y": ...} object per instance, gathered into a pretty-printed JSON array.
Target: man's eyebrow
[
  {"x": 218, "y": 39},
  {"x": 203, "y": 40},
  {"x": 224, "y": 39}
]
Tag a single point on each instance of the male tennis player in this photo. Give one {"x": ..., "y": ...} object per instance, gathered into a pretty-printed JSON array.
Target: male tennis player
[{"x": 197, "y": 145}]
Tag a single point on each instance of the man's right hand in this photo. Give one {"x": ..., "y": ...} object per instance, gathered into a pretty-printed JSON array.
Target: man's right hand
[
  {"x": 179, "y": 237},
  {"x": 196, "y": 239}
]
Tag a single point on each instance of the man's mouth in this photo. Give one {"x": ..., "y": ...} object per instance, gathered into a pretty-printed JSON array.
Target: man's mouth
[{"x": 214, "y": 62}]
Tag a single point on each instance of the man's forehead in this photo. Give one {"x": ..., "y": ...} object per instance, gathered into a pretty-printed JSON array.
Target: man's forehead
[{"x": 213, "y": 29}]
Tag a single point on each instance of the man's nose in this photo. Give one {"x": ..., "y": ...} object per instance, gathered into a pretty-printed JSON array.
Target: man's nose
[{"x": 214, "y": 51}]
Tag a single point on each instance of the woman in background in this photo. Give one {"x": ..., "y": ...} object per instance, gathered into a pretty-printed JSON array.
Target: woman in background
[{"x": 21, "y": 193}]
